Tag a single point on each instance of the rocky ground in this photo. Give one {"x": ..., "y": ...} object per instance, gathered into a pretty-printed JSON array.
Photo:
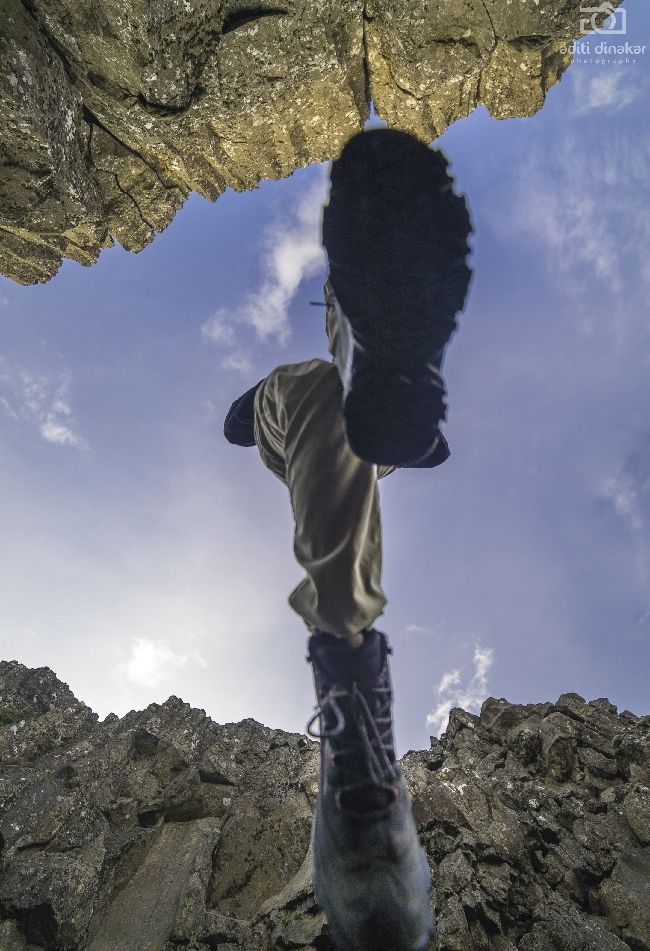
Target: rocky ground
[
  {"x": 163, "y": 831},
  {"x": 112, "y": 112}
]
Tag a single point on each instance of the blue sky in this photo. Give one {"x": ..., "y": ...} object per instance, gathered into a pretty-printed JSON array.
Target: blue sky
[{"x": 144, "y": 556}]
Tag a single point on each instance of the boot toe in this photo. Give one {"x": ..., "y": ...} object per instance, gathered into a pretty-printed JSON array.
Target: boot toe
[{"x": 372, "y": 878}]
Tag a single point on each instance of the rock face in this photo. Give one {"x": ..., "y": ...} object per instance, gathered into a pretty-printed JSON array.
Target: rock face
[
  {"x": 112, "y": 112},
  {"x": 163, "y": 830}
]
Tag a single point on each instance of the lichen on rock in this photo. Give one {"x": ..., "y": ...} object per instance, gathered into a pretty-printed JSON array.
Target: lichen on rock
[
  {"x": 163, "y": 829},
  {"x": 112, "y": 113}
]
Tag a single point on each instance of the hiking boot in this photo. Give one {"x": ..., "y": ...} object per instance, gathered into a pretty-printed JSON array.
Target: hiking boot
[
  {"x": 371, "y": 875},
  {"x": 396, "y": 237}
]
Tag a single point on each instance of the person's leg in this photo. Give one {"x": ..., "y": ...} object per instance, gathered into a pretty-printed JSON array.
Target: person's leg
[
  {"x": 396, "y": 237},
  {"x": 337, "y": 540},
  {"x": 370, "y": 873},
  {"x": 398, "y": 309}
]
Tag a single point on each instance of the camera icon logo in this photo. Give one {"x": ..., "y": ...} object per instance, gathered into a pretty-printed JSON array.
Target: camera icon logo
[{"x": 612, "y": 21}]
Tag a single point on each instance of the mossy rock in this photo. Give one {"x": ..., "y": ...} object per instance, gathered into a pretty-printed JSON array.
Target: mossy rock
[{"x": 9, "y": 717}]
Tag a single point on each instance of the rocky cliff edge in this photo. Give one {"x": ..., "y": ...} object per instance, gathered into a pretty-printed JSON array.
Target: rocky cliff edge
[{"x": 163, "y": 830}]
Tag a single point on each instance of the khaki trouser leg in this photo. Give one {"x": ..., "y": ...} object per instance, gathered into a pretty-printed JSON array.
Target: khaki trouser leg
[{"x": 301, "y": 437}]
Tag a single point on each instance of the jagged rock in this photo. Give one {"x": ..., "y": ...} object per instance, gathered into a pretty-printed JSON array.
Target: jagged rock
[
  {"x": 112, "y": 113},
  {"x": 162, "y": 829},
  {"x": 11, "y": 939}
]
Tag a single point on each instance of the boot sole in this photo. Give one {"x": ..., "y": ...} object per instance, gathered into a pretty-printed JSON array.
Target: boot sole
[{"x": 396, "y": 237}]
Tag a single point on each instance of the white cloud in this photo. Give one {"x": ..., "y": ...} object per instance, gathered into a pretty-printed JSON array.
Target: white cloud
[
  {"x": 623, "y": 493},
  {"x": 43, "y": 400},
  {"x": 453, "y": 693},
  {"x": 415, "y": 629},
  {"x": 56, "y": 432},
  {"x": 238, "y": 361},
  {"x": 565, "y": 217},
  {"x": 153, "y": 662},
  {"x": 434, "y": 629},
  {"x": 612, "y": 90},
  {"x": 291, "y": 253},
  {"x": 218, "y": 328},
  {"x": 450, "y": 679},
  {"x": 7, "y": 408},
  {"x": 580, "y": 206}
]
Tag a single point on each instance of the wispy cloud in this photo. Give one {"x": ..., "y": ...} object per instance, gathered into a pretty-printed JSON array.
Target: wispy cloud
[
  {"x": 448, "y": 680},
  {"x": 238, "y": 361},
  {"x": 153, "y": 662},
  {"x": 291, "y": 252},
  {"x": 626, "y": 493},
  {"x": 415, "y": 629},
  {"x": 621, "y": 492},
  {"x": 218, "y": 328},
  {"x": 580, "y": 207},
  {"x": 42, "y": 400},
  {"x": 433, "y": 629},
  {"x": 612, "y": 90},
  {"x": 454, "y": 693}
]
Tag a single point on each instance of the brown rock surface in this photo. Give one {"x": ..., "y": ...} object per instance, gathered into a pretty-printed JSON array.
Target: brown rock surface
[
  {"x": 112, "y": 112},
  {"x": 163, "y": 830}
]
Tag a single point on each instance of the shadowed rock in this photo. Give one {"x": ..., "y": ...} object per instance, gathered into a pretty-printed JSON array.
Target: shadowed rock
[
  {"x": 112, "y": 113},
  {"x": 163, "y": 829}
]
